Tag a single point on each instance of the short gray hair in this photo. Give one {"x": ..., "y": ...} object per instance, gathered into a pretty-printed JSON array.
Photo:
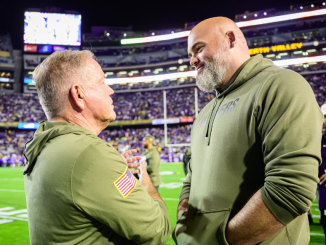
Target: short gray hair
[{"x": 54, "y": 76}]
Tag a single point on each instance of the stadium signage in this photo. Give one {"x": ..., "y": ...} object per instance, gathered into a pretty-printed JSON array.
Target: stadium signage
[
  {"x": 28, "y": 125},
  {"x": 168, "y": 121},
  {"x": 187, "y": 119},
  {"x": 275, "y": 48}
]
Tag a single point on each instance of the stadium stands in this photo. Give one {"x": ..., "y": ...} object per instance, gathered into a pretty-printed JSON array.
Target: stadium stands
[
  {"x": 128, "y": 106},
  {"x": 12, "y": 142},
  {"x": 144, "y": 101},
  {"x": 20, "y": 108}
]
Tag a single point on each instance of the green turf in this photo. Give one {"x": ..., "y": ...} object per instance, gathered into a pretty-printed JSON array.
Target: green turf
[{"x": 12, "y": 195}]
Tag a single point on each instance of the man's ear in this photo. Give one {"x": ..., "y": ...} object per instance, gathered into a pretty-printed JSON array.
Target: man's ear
[
  {"x": 231, "y": 37},
  {"x": 77, "y": 96}
]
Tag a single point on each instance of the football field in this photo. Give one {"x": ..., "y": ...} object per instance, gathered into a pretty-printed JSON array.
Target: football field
[{"x": 13, "y": 213}]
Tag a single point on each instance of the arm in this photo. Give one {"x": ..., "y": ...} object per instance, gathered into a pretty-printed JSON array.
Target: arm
[
  {"x": 132, "y": 216},
  {"x": 253, "y": 224},
  {"x": 147, "y": 183},
  {"x": 289, "y": 124},
  {"x": 144, "y": 178},
  {"x": 184, "y": 195}
]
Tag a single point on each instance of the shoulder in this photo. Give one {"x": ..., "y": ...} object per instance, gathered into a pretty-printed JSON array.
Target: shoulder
[
  {"x": 284, "y": 78},
  {"x": 285, "y": 84},
  {"x": 100, "y": 154}
]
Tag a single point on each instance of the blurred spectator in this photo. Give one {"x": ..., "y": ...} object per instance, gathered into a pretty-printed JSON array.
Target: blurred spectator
[
  {"x": 12, "y": 143},
  {"x": 20, "y": 108}
]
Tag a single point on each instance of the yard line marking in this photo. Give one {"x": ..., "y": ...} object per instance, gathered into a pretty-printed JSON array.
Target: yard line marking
[
  {"x": 23, "y": 215},
  {"x": 14, "y": 212},
  {"x": 14, "y": 218},
  {"x": 317, "y": 209},
  {"x": 6, "y": 208},
  {"x": 317, "y": 234},
  {"x": 316, "y": 216},
  {"x": 10, "y": 190},
  {"x": 4, "y": 221},
  {"x": 171, "y": 199},
  {"x": 314, "y": 204}
]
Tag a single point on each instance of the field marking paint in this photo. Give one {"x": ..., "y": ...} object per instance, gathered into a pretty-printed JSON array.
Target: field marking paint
[
  {"x": 314, "y": 204},
  {"x": 10, "y": 190},
  {"x": 171, "y": 199},
  {"x": 6, "y": 208},
  {"x": 316, "y": 216},
  {"x": 23, "y": 215},
  {"x": 172, "y": 185},
  {"x": 11, "y": 214},
  {"x": 14, "y": 218},
  {"x": 316, "y": 234},
  {"x": 167, "y": 173},
  {"x": 5, "y": 221},
  {"x": 14, "y": 212}
]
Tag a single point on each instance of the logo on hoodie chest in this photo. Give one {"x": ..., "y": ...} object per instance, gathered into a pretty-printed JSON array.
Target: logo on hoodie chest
[
  {"x": 227, "y": 108},
  {"x": 224, "y": 109}
]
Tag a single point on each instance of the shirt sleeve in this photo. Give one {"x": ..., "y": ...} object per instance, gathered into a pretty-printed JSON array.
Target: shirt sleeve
[
  {"x": 185, "y": 191},
  {"x": 149, "y": 161},
  {"x": 135, "y": 216},
  {"x": 290, "y": 125}
]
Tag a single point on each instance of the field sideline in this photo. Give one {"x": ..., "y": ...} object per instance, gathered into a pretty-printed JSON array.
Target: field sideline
[{"x": 13, "y": 213}]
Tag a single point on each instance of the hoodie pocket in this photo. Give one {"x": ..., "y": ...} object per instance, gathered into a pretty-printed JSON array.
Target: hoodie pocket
[{"x": 199, "y": 227}]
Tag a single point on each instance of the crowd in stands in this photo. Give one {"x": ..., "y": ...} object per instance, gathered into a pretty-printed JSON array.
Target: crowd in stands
[
  {"x": 12, "y": 142},
  {"x": 318, "y": 85},
  {"x": 149, "y": 104},
  {"x": 131, "y": 138},
  {"x": 139, "y": 50},
  {"x": 139, "y": 105},
  {"x": 142, "y": 60},
  {"x": 128, "y": 106},
  {"x": 20, "y": 108}
]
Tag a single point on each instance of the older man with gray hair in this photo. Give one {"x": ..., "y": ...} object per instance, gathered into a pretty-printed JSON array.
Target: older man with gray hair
[{"x": 79, "y": 189}]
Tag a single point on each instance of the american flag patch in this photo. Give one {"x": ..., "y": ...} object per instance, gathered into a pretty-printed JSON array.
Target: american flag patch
[{"x": 125, "y": 183}]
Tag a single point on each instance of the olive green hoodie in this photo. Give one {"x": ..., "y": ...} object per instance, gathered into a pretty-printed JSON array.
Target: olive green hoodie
[
  {"x": 262, "y": 132},
  {"x": 153, "y": 159},
  {"x": 73, "y": 196}
]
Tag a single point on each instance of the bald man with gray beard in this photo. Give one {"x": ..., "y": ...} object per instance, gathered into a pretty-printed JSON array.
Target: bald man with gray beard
[{"x": 255, "y": 147}]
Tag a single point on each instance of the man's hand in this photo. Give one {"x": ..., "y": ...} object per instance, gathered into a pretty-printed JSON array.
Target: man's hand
[
  {"x": 130, "y": 161},
  {"x": 322, "y": 178},
  {"x": 182, "y": 207},
  {"x": 253, "y": 224},
  {"x": 147, "y": 183}
]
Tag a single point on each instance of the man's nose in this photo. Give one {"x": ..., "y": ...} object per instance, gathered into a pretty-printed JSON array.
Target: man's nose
[
  {"x": 111, "y": 91},
  {"x": 193, "y": 61}
]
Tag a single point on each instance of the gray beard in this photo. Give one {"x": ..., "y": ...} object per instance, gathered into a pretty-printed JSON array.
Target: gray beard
[{"x": 213, "y": 73}]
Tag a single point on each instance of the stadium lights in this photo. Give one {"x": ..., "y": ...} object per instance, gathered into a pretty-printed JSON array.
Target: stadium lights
[
  {"x": 169, "y": 76},
  {"x": 300, "y": 60},
  {"x": 240, "y": 24},
  {"x": 281, "y": 18},
  {"x": 155, "y": 38}
]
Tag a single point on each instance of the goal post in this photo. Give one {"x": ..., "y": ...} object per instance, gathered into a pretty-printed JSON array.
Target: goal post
[{"x": 166, "y": 124}]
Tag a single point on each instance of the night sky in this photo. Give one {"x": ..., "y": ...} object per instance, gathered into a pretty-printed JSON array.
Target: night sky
[{"x": 141, "y": 15}]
